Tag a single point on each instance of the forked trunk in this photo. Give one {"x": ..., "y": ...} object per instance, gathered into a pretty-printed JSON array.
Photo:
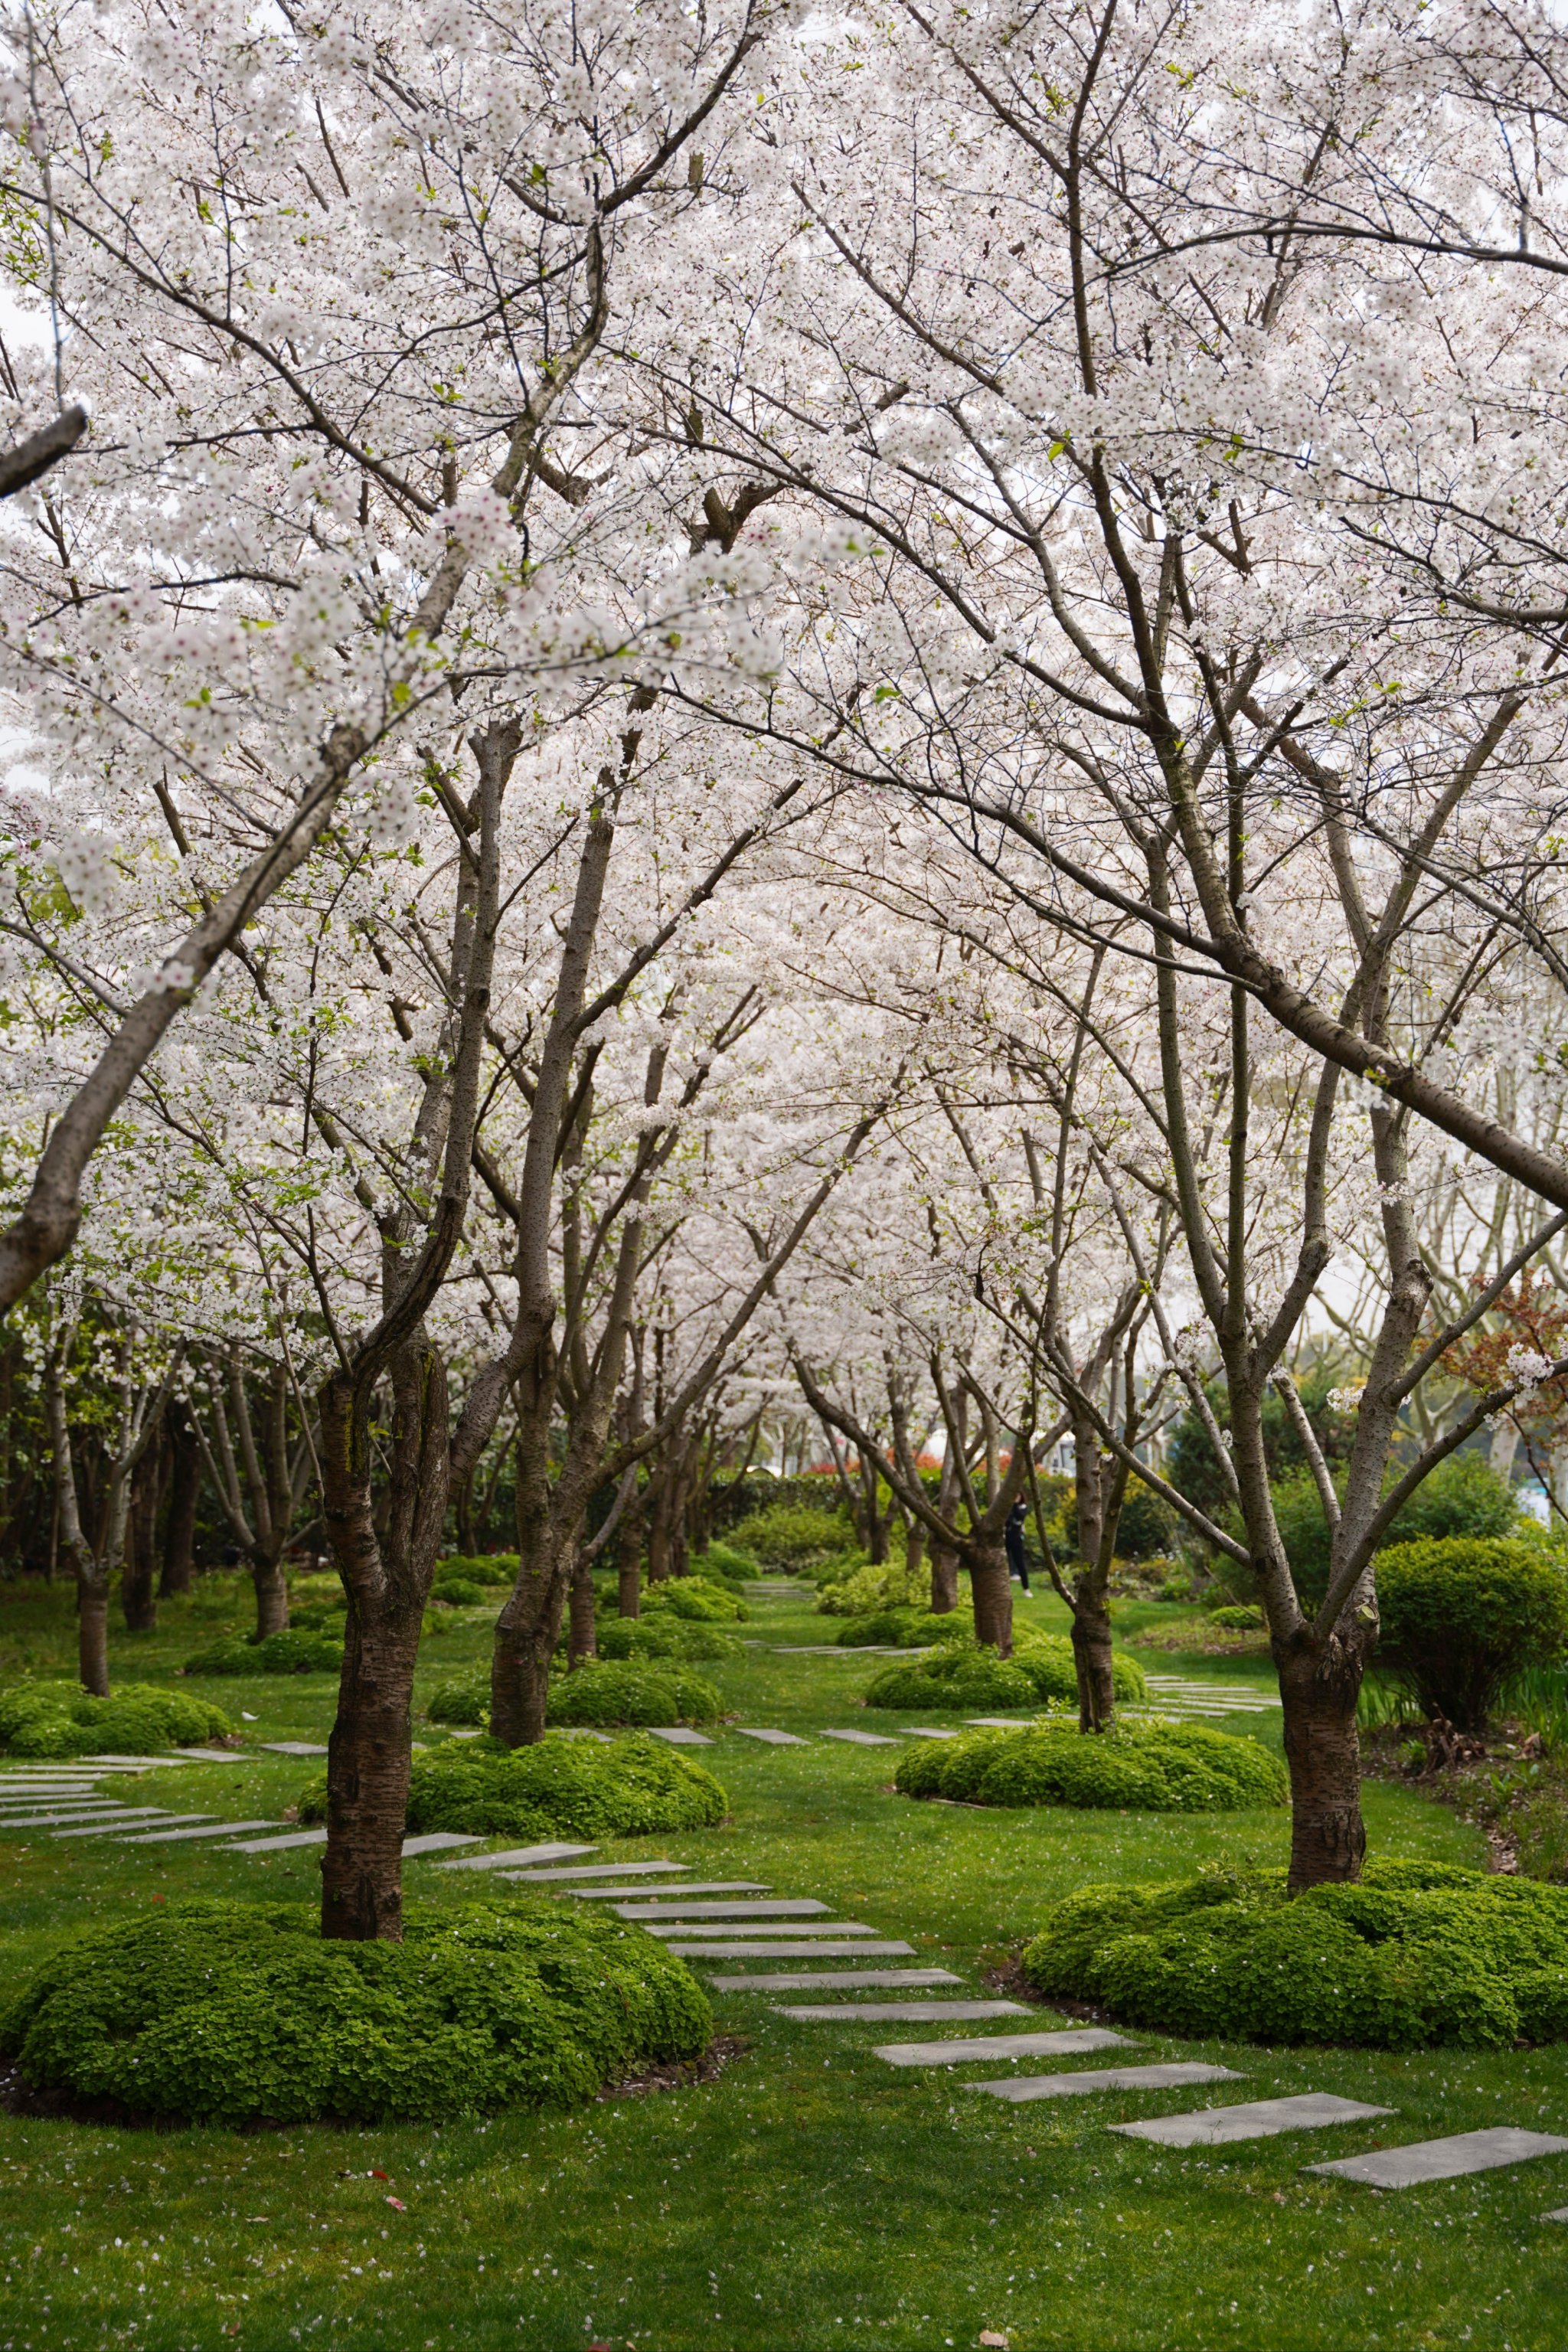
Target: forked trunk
[
  {"x": 1091, "y": 1659},
  {"x": 1327, "y": 1836},
  {"x": 272, "y": 1597},
  {"x": 93, "y": 1634},
  {"x": 368, "y": 1760},
  {"x": 581, "y": 1641},
  {"x": 993, "y": 1589},
  {"x": 526, "y": 1633},
  {"x": 943, "y": 1581}
]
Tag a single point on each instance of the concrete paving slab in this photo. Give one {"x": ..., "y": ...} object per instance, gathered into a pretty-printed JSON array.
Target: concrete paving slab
[
  {"x": 783, "y": 1906},
  {"x": 291, "y": 1746},
  {"x": 905, "y": 2012},
  {"x": 438, "y": 1842},
  {"x": 1443, "y": 2159},
  {"x": 108, "y": 1828},
  {"x": 591, "y": 1870},
  {"x": 862, "y": 1738},
  {"x": 62, "y": 1809},
  {"x": 277, "y": 1844},
  {"x": 835, "y": 1979},
  {"x": 212, "y": 1830},
  {"x": 999, "y": 1722},
  {"x": 693, "y": 1886},
  {"x": 785, "y": 1951},
  {"x": 522, "y": 1854},
  {"x": 213, "y": 1755},
  {"x": 1257, "y": 2119},
  {"x": 677, "y": 1736},
  {"x": 982, "y": 2047},
  {"x": 1559, "y": 2213},
  {"x": 928, "y": 1731},
  {"x": 1020, "y": 2088},
  {"x": 772, "y": 1739},
  {"x": 54, "y": 1820},
  {"x": 136, "y": 1763},
  {"x": 768, "y": 1928}
]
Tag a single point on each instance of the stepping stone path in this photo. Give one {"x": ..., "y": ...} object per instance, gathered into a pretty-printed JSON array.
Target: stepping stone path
[
  {"x": 988, "y": 2046},
  {"x": 862, "y": 1738},
  {"x": 838, "y": 1981},
  {"x": 291, "y": 1746},
  {"x": 668, "y": 1927},
  {"x": 527, "y": 1853},
  {"x": 1258, "y": 2119},
  {"x": 583, "y": 1870},
  {"x": 1021, "y": 2087},
  {"x": 786, "y": 1951},
  {"x": 886, "y": 2012},
  {"x": 1175, "y": 1695},
  {"x": 679, "y": 1736},
  {"x": 217, "y": 1828},
  {"x": 788, "y": 1906},
  {"x": 278, "y": 1844},
  {"x": 694, "y": 1886},
  {"x": 771, "y": 1738},
  {"x": 1442, "y": 2159},
  {"x": 928, "y": 1731},
  {"x": 131, "y": 1821}
]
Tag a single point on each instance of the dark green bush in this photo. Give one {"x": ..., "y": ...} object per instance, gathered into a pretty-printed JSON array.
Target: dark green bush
[
  {"x": 1418, "y": 1954},
  {"x": 1147, "y": 1526},
  {"x": 460, "y": 1591},
  {"x": 238, "y": 2013},
  {"x": 1460, "y": 1617},
  {"x": 736, "y": 1567},
  {"x": 1237, "y": 1617},
  {"x": 971, "y": 1681},
  {"x": 297, "y": 1651},
  {"x": 140, "y": 1720},
  {"x": 466, "y": 1699},
  {"x": 561, "y": 1788},
  {"x": 628, "y": 1690},
  {"x": 662, "y": 1636},
  {"x": 1464, "y": 1497},
  {"x": 693, "y": 1598},
  {"x": 904, "y": 1629},
  {"x": 498, "y": 1568},
  {"x": 791, "y": 1534},
  {"x": 1145, "y": 1768}
]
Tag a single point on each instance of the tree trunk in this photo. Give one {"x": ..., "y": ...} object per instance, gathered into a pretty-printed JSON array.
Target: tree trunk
[
  {"x": 1091, "y": 1656},
  {"x": 628, "y": 1562},
  {"x": 136, "y": 1579},
  {"x": 184, "y": 1498},
  {"x": 93, "y": 1634},
  {"x": 1318, "y": 1694},
  {"x": 526, "y": 1633},
  {"x": 993, "y": 1589},
  {"x": 463, "y": 1501},
  {"x": 914, "y": 1548},
  {"x": 581, "y": 1641},
  {"x": 272, "y": 1597},
  {"x": 658, "y": 1532},
  {"x": 943, "y": 1581},
  {"x": 368, "y": 1759}
]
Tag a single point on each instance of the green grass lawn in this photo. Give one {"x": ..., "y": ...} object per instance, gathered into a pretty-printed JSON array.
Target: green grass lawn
[{"x": 811, "y": 2196}]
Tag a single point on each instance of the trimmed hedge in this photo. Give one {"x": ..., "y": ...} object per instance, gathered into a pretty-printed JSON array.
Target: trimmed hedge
[
  {"x": 140, "y": 1720},
  {"x": 238, "y": 2013},
  {"x": 791, "y": 1534},
  {"x": 969, "y": 1681},
  {"x": 460, "y": 1591},
  {"x": 1418, "y": 1954},
  {"x": 1459, "y": 1616},
  {"x": 1148, "y": 1767},
  {"x": 628, "y": 1690},
  {"x": 693, "y": 1598},
  {"x": 664, "y": 1636},
  {"x": 575, "y": 1787},
  {"x": 724, "y": 1559},
  {"x": 892, "y": 1586},
  {"x": 298, "y": 1650}
]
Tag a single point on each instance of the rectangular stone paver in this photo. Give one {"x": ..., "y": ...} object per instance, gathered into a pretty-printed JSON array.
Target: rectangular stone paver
[
  {"x": 1000, "y": 2045},
  {"x": 438, "y": 1842},
  {"x": 786, "y": 1907},
  {"x": 693, "y": 1886},
  {"x": 212, "y": 1755},
  {"x": 68, "y": 1811},
  {"x": 679, "y": 1736},
  {"x": 905, "y": 2012},
  {"x": 277, "y": 1844},
  {"x": 1257, "y": 2119},
  {"x": 773, "y": 1738},
  {"x": 997, "y": 1722},
  {"x": 928, "y": 1731},
  {"x": 108, "y": 1828},
  {"x": 1442, "y": 2159},
  {"x": 212, "y": 1829},
  {"x": 862, "y": 1738},
  {"x": 589, "y": 1870},
  {"x": 522, "y": 1854},
  {"x": 1019, "y": 2087},
  {"x": 785, "y": 1951},
  {"x": 835, "y": 1979},
  {"x": 768, "y": 1928},
  {"x": 292, "y": 1747}
]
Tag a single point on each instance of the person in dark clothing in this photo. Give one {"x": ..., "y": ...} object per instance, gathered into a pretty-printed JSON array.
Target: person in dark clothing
[{"x": 1017, "y": 1519}]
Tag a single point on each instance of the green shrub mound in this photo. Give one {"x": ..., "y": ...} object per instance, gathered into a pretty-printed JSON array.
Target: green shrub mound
[
  {"x": 320, "y": 1616},
  {"x": 140, "y": 1720},
  {"x": 792, "y": 1536},
  {"x": 236, "y": 2013},
  {"x": 892, "y": 1585},
  {"x": 632, "y": 1691},
  {"x": 298, "y": 1650},
  {"x": 905, "y": 1629},
  {"x": 1237, "y": 1617},
  {"x": 1145, "y": 1768},
  {"x": 693, "y": 1598},
  {"x": 1418, "y": 1953},
  {"x": 967, "y": 1680},
  {"x": 734, "y": 1566},
  {"x": 460, "y": 1592},
  {"x": 562, "y": 1787},
  {"x": 1460, "y": 1616},
  {"x": 465, "y": 1700},
  {"x": 663, "y": 1636},
  {"x": 499, "y": 1568}
]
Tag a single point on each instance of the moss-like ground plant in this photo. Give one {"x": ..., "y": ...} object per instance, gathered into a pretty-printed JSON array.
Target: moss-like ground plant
[
  {"x": 141, "y": 1719},
  {"x": 632, "y": 1691},
  {"x": 961, "y": 1678},
  {"x": 1151, "y": 1768},
  {"x": 297, "y": 1650},
  {"x": 562, "y": 1787}
]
